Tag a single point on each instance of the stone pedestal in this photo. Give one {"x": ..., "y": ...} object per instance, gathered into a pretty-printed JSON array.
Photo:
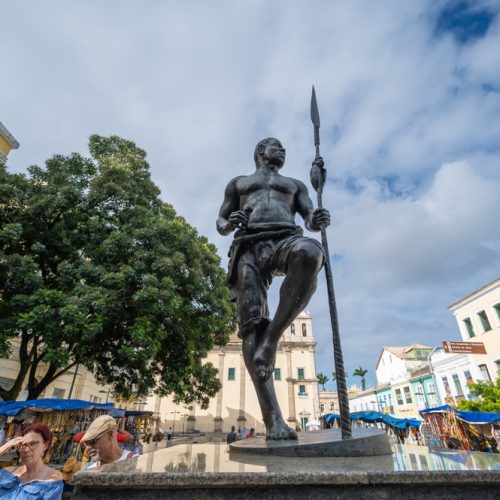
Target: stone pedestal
[{"x": 328, "y": 443}]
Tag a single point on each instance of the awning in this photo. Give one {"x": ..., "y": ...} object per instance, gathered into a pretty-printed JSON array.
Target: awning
[
  {"x": 478, "y": 417},
  {"x": 13, "y": 408}
]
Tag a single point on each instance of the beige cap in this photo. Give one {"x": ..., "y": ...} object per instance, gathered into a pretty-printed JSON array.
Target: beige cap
[{"x": 99, "y": 426}]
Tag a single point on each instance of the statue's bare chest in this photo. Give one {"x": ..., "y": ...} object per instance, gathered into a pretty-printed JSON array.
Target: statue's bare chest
[{"x": 260, "y": 184}]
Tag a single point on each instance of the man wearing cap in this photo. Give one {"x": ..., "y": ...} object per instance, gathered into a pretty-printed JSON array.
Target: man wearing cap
[{"x": 102, "y": 435}]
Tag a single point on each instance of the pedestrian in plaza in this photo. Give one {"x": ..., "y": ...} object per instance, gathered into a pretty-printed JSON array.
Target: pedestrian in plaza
[
  {"x": 102, "y": 436},
  {"x": 232, "y": 436},
  {"x": 169, "y": 434},
  {"x": 32, "y": 478},
  {"x": 251, "y": 434}
]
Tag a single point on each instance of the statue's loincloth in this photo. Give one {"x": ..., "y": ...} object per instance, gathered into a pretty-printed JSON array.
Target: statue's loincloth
[{"x": 270, "y": 247}]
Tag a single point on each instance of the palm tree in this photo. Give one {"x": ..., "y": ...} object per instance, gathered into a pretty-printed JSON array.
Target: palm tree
[
  {"x": 360, "y": 372},
  {"x": 322, "y": 379}
]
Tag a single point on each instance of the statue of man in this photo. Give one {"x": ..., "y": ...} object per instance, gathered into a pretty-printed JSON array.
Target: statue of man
[{"x": 261, "y": 207}]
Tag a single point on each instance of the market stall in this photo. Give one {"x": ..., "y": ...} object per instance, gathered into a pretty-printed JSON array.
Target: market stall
[{"x": 465, "y": 430}]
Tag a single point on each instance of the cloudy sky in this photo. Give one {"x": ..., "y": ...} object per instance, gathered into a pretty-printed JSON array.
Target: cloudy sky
[{"x": 409, "y": 97}]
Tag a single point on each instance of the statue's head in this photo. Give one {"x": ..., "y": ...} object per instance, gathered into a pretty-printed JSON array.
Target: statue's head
[{"x": 270, "y": 149}]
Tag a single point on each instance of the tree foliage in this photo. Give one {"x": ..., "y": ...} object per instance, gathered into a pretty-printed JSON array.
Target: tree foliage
[
  {"x": 361, "y": 372},
  {"x": 95, "y": 269},
  {"x": 487, "y": 397},
  {"x": 322, "y": 379}
]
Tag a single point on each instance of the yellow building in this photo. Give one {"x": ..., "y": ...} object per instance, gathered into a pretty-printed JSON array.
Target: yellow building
[
  {"x": 236, "y": 404},
  {"x": 7, "y": 143}
]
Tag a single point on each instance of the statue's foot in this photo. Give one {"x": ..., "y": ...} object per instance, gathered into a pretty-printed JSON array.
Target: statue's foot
[
  {"x": 263, "y": 360},
  {"x": 279, "y": 430}
]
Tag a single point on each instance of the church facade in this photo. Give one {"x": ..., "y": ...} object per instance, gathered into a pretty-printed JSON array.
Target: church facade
[{"x": 236, "y": 403}]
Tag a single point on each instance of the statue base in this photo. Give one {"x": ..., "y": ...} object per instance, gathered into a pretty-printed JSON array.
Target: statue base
[{"x": 325, "y": 443}]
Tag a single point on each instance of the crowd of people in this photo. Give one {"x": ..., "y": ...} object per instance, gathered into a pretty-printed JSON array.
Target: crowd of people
[{"x": 242, "y": 433}]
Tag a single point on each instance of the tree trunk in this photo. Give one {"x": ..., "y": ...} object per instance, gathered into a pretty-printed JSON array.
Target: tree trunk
[
  {"x": 35, "y": 389},
  {"x": 25, "y": 362}
]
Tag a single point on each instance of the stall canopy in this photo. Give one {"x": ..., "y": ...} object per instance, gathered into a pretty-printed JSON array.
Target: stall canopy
[
  {"x": 375, "y": 417},
  {"x": 13, "y": 408},
  {"x": 471, "y": 417}
]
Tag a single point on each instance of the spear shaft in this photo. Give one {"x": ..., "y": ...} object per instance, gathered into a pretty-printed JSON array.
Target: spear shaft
[{"x": 318, "y": 178}]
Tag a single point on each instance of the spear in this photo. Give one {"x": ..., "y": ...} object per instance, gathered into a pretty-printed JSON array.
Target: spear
[{"x": 318, "y": 178}]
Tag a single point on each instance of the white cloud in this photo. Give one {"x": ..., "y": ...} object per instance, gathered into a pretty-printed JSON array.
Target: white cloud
[{"x": 198, "y": 83}]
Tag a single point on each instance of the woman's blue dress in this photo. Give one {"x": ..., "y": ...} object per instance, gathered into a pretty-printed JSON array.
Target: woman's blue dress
[{"x": 12, "y": 488}]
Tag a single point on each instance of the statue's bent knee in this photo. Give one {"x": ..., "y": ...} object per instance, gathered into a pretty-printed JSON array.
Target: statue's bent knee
[{"x": 308, "y": 254}]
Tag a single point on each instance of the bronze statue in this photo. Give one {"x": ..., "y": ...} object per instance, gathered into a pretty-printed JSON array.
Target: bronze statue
[{"x": 261, "y": 207}]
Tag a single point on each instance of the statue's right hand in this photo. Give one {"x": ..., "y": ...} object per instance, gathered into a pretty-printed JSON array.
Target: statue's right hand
[{"x": 238, "y": 218}]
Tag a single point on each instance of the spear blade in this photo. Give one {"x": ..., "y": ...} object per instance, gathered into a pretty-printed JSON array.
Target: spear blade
[{"x": 315, "y": 118}]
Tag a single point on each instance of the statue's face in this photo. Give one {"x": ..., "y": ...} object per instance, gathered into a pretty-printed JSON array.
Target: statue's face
[{"x": 275, "y": 153}]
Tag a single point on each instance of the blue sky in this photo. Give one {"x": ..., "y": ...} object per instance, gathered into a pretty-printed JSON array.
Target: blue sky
[{"x": 409, "y": 97}]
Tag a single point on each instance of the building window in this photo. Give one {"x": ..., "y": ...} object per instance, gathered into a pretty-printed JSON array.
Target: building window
[
  {"x": 58, "y": 393},
  {"x": 458, "y": 385},
  {"x": 399, "y": 397},
  {"x": 300, "y": 373},
  {"x": 485, "y": 373},
  {"x": 407, "y": 394},
  {"x": 277, "y": 374},
  {"x": 497, "y": 309},
  {"x": 292, "y": 329},
  {"x": 332, "y": 406},
  {"x": 302, "y": 390},
  {"x": 484, "y": 321},
  {"x": 231, "y": 373},
  {"x": 304, "y": 330},
  {"x": 497, "y": 363},
  {"x": 469, "y": 327},
  {"x": 468, "y": 377},
  {"x": 321, "y": 407}
]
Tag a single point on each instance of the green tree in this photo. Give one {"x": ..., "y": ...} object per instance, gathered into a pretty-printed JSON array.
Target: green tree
[
  {"x": 360, "y": 372},
  {"x": 487, "y": 397},
  {"x": 96, "y": 270},
  {"x": 322, "y": 379}
]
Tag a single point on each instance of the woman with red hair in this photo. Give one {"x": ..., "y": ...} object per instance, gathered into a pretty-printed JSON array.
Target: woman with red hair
[{"x": 32, "y": 478}]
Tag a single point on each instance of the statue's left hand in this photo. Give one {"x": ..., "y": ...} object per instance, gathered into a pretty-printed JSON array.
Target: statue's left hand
[{"x": 320, "y": 218}]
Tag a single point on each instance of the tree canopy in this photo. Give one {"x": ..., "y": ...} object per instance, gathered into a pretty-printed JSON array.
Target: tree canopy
[
  {"x": 486, "y": 397},
  {"x": 361, "y": 372},
  {"x": 322, "y": 379},
  {"x": 96, "y": 269}
]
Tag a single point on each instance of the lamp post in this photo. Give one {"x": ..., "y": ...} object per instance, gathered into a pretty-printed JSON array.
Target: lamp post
[
  {"x": 105, "y": 392},
  {"x": 73, "y": 381}
]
